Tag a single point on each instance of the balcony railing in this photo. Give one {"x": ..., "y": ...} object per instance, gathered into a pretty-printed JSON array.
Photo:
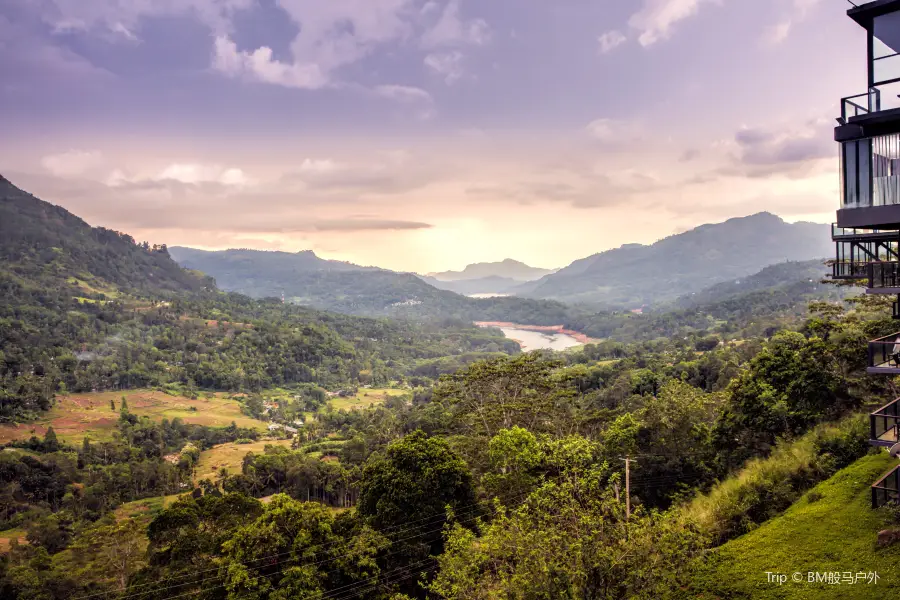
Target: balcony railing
[
  {"x": 884, "y": 425},
  {"x": 884, "y": 355},
  {"x": 852, "y": 232},
  {"x": 849, "y": 270},
  {"x": 886, "y": 489},
  {"x": 884, "y": 276},
  {"x": 861, "y": 104}
]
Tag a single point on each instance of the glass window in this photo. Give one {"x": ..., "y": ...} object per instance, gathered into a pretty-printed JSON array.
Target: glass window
[
  {"x": 886, "y": 47},
  {"x": 851, "y": 191},
  {"x": 864, "y": 154}
]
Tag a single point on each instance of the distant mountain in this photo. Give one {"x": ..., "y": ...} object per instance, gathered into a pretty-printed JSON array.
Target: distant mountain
[
  {"x": 482, "y": 285},
  {"x": 48, "y": 245},
  {"x": 634, "y": 275},
  {"x": 506, "y": 269},
  {"x": 306, "y": 279},
  {"x": 239, "y": 269}
]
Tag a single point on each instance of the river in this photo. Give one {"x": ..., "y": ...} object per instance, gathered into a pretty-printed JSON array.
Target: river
[{"x": 534, "y": 340}]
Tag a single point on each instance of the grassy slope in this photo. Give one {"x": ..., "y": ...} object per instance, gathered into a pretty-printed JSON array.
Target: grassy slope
[
  {"x": 364, "y": 397},
  {"x": 834, "y": 533},
  {"x": 230, "y": 456},
  {"x": 74, "y": 416}
]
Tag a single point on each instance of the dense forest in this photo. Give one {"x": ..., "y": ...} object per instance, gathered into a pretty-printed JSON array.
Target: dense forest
[{"x": 487, "y": 474}]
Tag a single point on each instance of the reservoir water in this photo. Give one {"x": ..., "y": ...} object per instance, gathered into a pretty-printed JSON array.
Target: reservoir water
[{"x": 540, "y": 340}]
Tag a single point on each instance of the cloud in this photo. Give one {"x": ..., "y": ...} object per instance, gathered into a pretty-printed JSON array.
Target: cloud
[
  {"x": 403, "y": 93},
  {"x": 451, "y": 30},
  {"x": 763, "y": 147},
  {"x": 614, "y": 132},
  {"x": 657, "y": 18},
  {"x": 611, "y": 40},
  {"x": 777, "y": 33},
  {"x": 447, "y": 64},
  {"x": 689, "y": 155},
  {"x": 72, "y": 163},
  {"x": 121, "y": 18},
  {"x": 797, "y": 12},
  {"x": 351, "y": 225},
  {"x": 260, "y": 66},
  {"x": 28, "y": 58},
  {"x": 419, "y": 101}
]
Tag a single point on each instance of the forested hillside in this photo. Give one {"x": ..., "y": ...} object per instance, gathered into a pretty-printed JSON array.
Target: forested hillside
[{"x": 85, "y": 309}]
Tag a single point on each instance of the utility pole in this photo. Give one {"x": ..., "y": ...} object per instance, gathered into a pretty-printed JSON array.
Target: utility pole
[{"x": 627, "y": 460}]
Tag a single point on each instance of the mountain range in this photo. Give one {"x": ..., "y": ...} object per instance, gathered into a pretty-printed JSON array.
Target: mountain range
[
  {"x": 505, "y": 269},
  {"x": 627, "y": 277},
  {"x": 635, "y": 275}
]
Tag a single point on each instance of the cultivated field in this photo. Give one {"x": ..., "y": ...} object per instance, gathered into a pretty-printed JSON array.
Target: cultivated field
[
  {"x": 76, "y": 415},
  {"x": 6, "y": 538},
  {"x": 230, "y": 456},
  {"x": 365, "y": 397}
]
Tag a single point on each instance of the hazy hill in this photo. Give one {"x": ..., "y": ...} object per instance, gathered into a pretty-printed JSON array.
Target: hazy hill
[
  {"x": 482, "y": 285},
  {"x": 788, "y": 274},
  {"x": 306, "y": 279},
  {"x": 506, "y": 269},
  {"x": 44, "y": 242},
  {"x": 634, "y": 275}
]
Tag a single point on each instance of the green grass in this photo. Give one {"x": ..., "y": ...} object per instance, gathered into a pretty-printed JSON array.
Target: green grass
[
  {"x": 834, "y": 533},
  {"x": 77, "y": 415},
  {"x": 230, "y": 456},
  {"x": 364, "y": 397},
  {"x": 145, "y": 509}
]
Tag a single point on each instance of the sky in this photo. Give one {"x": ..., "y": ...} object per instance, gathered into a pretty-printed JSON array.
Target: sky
[{"x": 424, "y": 135}]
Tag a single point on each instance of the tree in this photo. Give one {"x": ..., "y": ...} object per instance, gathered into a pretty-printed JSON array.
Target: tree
[
  {"x": 112, "y": 404},
  {"x": 110, "y": 553},
  {"x": 51, "y": 444},
  {"x": 124, "y": 405},
  {"x": 500, "y": 393},
  {"x": 318, "y": 554},
  {"x": 791, "y": 384},
  {"x": 570, "y": 540},
  {"x": 415, "y": 481}
]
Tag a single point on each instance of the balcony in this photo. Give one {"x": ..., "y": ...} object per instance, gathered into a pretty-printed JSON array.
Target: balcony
[
  {"x": 849, "y": 270},
  {"x": 884, "y": 277},
  {"x": 852, "y": 234},
  {"x": 884, "y": 355},
  {"x": 886, "y": 489},
  {"x": 884, "y": 425},
  {"x": 860, "y": 105}
]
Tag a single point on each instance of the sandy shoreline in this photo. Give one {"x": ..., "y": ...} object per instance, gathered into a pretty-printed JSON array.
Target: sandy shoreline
[{"x": 548, "y": 328}]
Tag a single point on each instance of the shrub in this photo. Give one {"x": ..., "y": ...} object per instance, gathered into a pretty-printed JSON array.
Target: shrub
[{"x": 765, "y": 487}]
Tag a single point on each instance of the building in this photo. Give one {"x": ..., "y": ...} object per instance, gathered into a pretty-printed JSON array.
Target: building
[{"x": 867, "y": 231}]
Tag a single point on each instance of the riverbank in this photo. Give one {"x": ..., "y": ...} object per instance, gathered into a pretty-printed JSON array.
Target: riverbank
[{"x": 541, "y": 328}]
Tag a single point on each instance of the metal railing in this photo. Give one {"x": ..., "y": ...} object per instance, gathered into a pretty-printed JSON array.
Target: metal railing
[
  {"x": 849, "y": 270},
  {"x": 885, "y": 274},
  {"x": 839, "y": 232},
  {"x": 886, "y": 489},
  {"x": 884, "y": 424},
  {"x": 884, "y": 353},
  {"x": 854, "y": 106}
]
